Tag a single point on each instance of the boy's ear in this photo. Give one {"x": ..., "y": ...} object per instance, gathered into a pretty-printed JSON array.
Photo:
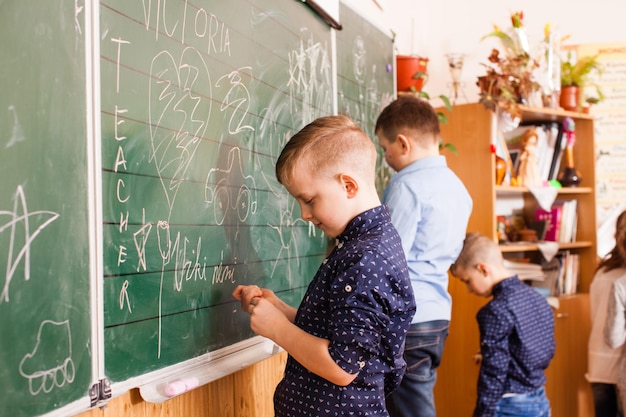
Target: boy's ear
[
  {"x": 349, "y": 184},
  {"x": 405, "y": 142},
  {"x": 483, "y": 268}
]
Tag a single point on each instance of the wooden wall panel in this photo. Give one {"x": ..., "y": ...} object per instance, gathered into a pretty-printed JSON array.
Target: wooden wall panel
[{"x": 247, "y": 393}]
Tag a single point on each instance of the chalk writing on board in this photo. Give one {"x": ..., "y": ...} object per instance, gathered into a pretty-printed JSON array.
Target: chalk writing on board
[
  {"x": 223, "y": 273},
  {"x": 360, "y": 96},
  {"x": 185, "y": 268},
  {"x": 367, "y": 104},
  {"x": 174, "y": 23},
  {"x": 238, "y": 98},
  {"x": 48, "y": 368},
  {"x": 218, "y": 189},
  {"x": 78, "y": 9},
  {"x": 124, "y": 297},
  {"x": 171, "y": 94},
  {"x": 17, "y": 133},
  {"x": 140, "y": 238},
  {"x": 309, "y": 72},
  {"x": 18, "y": 227},
  {"x": 287, "y": 239},
  {"x": 195, "y": 112}
]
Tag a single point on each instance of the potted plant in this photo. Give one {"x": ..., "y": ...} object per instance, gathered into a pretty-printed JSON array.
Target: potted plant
[
  {"x": 423, "y": 94},
  {"x": 575, "y": 77},
  {"x": 507, "y": 83},
  {"x": 591, "y": 100},
  {"x": 509, "y": 79}
]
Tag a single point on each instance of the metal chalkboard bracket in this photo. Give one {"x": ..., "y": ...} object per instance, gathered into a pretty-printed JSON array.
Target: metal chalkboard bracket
[{"x": 100, "y": 392}]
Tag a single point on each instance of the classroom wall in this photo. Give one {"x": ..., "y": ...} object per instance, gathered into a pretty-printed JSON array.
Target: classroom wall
[
  {"x": 432, "y": 30},
  {"x": 429, "y": 29}
]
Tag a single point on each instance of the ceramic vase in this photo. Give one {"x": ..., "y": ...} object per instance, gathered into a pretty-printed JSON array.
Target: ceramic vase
[
  {"x": 569, "y": 98},
  {"x": 500, "y": 170},
  {"x": 569, "y": 177}
]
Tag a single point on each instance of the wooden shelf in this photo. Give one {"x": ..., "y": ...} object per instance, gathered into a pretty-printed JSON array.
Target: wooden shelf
[
  {"x": 533, "y": 247},
  {"x": 512, "y": 189},
  {"x": 534, "y": 114},
  {"x": 472, "y": 129}
]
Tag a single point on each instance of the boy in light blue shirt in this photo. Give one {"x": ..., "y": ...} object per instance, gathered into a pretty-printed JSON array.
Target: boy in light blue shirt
[{"x": 430, "y": 207}]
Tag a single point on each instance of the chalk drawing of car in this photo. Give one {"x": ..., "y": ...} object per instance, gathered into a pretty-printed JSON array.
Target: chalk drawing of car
[
  {"x": 50, "y": 362},
  {"x": 219, "y": 187}
]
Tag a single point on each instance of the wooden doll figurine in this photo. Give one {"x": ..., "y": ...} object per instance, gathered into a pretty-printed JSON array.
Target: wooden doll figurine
[{"x": 528, "y": 171}]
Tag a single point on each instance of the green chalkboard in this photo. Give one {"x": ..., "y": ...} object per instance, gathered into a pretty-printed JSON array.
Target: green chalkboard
[
  {"x": 45, "y": 316},
  {"x": 365, "y": 81},
  {"x": 137, "y": 189},
  {"x": 198, "y": 99}
]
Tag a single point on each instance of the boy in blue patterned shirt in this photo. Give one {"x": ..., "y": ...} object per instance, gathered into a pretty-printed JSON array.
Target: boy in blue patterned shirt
[
  {"x": 345, "y": 340},
  {"x": 516, "y": 333}
]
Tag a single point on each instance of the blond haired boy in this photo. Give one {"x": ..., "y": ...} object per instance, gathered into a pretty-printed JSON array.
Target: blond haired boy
[
  {"x": 345, "y": 339},
  {"x": 516, "y": 333}
]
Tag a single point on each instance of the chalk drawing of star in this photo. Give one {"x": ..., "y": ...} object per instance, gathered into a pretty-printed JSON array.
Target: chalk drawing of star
[{"x": 21, "y": 223}]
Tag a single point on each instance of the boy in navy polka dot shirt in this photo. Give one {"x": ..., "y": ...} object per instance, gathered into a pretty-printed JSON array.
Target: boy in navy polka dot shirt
[
  {"x": 346, "y": 338},
  {"x": 516, "y": 334}
]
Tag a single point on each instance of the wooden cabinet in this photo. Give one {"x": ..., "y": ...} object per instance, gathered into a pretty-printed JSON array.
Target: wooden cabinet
[
  {"x": 473, "y": 129},
  {"x": 567, "y": 388}
]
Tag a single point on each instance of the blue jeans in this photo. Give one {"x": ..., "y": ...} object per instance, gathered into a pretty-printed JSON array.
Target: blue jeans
[
  {"x": 422, "y": 353},
  {"x": 534, "y": 404}
]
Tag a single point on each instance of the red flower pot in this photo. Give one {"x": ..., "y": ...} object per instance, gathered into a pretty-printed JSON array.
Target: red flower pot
[{"x": 406, "y": 67}]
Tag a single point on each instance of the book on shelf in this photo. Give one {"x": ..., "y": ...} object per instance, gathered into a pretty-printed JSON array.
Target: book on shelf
[
  {"x": 569, "y": 221},
  {"x": 561, "y": 221},
  {"x": 560, "y": 142},
  {"x": 552, "y": 219},
  {"x": 561, "y": 274},
  {"x": 569, "y": 283},
  {"x": 567, "y": 280},
  {"x": 545, "y": 148}
]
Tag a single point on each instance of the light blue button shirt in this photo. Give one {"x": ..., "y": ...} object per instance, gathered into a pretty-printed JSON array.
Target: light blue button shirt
[{"x": 430, "y": 207}]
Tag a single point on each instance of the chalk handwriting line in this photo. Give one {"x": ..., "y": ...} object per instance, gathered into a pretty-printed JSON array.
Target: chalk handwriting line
[
  {"x": 194, "y": 309},
  {"x": 17, "y": 133}
]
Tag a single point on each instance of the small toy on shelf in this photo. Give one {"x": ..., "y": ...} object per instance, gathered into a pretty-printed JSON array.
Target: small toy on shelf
[
  {"x": 569, "y": 177},
  {"x": 528, "y": 171}
]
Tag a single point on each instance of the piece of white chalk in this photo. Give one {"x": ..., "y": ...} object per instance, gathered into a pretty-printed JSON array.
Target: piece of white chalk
[{"x": 181, "y": 386}]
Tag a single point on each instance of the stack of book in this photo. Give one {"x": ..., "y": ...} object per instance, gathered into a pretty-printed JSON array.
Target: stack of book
[{"x": 525, "y": 271}]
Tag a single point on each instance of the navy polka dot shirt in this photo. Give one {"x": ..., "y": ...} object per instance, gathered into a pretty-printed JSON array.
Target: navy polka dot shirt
[
  {"x": 361, "y": 300},
  {"x": 516, "y": 342}
]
